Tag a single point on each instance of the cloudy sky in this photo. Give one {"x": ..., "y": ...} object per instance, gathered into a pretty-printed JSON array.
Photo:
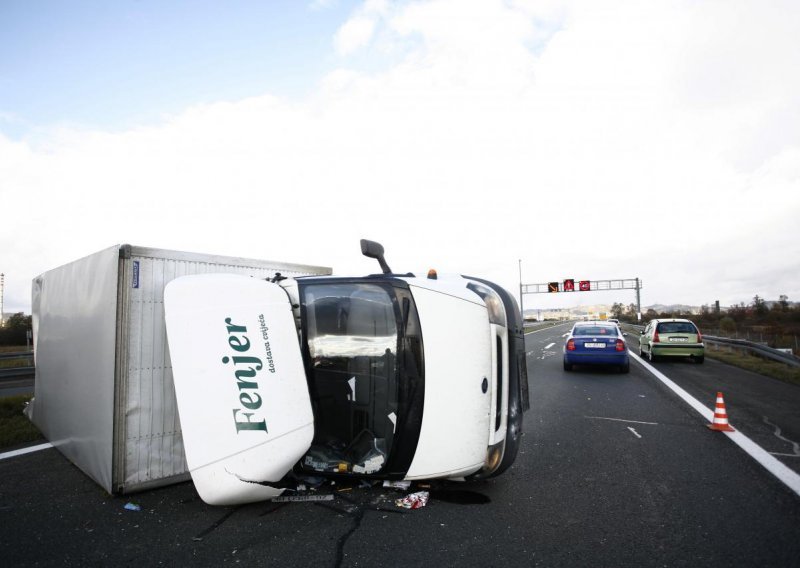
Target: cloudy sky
[{"x": 590, "y": 140}]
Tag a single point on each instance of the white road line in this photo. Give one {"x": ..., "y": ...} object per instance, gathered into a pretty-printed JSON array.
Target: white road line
[
  {"x": 24, "y": 451},
  {"x": 621, "y": 420},
  {"x": 543, "y": 329},
  {"x": 635, "y": 433},
  {"x": 770, "y": 463},
  {"x": 785, "y": 455},
  {"x": 548, "y": 346}
]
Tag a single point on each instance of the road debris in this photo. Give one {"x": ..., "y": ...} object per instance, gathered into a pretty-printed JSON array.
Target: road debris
[
  {"x": 300, "y": 498},
  {"x": 413, "y": 500},
  {"x": 404, "y": 485}
]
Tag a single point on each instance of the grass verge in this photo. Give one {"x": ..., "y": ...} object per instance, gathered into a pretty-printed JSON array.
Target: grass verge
[
  {"x": 755, "y": 364},
  {"x": 14, "y": 363},
  {"x": 15, "y": 428},
  {"x": 12, "y": 348}
]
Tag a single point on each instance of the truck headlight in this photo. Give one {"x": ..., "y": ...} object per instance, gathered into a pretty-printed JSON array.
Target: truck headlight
[{"x": 497, "y": 313}]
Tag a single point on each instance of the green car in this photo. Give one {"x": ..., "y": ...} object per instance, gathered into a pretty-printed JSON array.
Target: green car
[{"x": 672, "y": 338}]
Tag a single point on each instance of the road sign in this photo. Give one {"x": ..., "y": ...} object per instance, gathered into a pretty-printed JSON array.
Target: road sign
[
  {"x": 584, "y": 285},
  {"x": 569, "y": 285},
  {"x": 552, "y": 287}
]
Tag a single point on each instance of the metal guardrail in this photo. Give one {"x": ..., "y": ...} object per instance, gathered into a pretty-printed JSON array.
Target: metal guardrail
[
  {"x": 17, "y": 355},
  {"x": 28, "y": 371},
  {"x": 760, "y": 350},
  {"x": 757, "y": 348},
  {"x": 17, "y": 373}
]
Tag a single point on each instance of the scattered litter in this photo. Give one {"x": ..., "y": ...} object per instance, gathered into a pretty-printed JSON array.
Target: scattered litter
[
  {"x": 341, "y": 489},
  {"x": 296, "y": 498},
  {"x": 370, "y": 465},
  {"x": 397, "y": 484},
  {"x": 312, "y": 480},
  {"x": 132, "y": 507},
  {"x": 414, "y": 500}
]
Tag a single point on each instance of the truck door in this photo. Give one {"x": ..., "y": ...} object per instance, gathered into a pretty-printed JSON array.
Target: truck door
[{"x": 240, "y": 384}]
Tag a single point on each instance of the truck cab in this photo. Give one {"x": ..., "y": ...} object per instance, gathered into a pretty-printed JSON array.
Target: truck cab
[{"x": 387, "y": 376}]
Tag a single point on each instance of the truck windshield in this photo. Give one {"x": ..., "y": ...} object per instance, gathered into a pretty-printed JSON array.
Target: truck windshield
[{"x": 353, "y": 333}]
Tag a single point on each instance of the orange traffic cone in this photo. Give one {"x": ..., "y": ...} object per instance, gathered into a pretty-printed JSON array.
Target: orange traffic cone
[{"x": 720, "y": 423}]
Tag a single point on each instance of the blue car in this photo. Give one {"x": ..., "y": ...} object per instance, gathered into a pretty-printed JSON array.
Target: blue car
[{"x": 596, "y": 343}]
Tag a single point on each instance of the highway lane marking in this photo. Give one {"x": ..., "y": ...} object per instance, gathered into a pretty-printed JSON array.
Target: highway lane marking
[
  {"x": 788, "y": 476},
  {"x": 545, "y": 329},
  {"x": 24, "y": 451},
  {"x": 549, "y": 345},
  {"x": 635, "y": 433},
  {"x": 621, "y": 420}
]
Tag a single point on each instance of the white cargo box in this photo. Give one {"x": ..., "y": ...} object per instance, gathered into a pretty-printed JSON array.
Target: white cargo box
[{"x": 104, "y": 394}]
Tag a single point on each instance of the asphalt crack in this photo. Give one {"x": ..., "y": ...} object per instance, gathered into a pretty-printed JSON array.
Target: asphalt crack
[
  {"x": 777, "y": 433},
  {"x": 356, "y": 511}
]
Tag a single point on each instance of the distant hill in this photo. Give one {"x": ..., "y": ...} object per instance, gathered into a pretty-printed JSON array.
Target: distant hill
[
  {"x": 606, "y": 308},
  {"x": 668, "y": 308},
  {"x": 658, "y": 308}
]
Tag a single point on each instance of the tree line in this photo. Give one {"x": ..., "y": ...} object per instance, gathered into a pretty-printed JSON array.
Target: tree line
[
  {"x": 15, "y": 329},
  {"x": 772, "y": 318}
]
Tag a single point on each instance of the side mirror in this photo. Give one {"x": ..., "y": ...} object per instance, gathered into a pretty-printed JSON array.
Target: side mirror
[
  {"x": 371, "y": 249},
  {"x": 641, "y": 332}
]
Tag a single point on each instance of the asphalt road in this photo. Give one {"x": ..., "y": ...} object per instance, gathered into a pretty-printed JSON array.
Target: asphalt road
[
  {"x": 766, "y": 410},
  {"x": 614, "y": 470}
]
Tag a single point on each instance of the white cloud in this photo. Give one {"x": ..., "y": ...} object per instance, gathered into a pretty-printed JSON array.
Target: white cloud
[
  {"x": 353, "y": 35},
  {"x": 357, "y": 32},
  {"x": 506, "y": 130}
]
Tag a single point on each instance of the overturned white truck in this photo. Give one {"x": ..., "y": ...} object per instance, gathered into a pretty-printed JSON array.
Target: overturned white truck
[
  {"x": 262, "y": 369},
  {"x": 393, "y": 377}
]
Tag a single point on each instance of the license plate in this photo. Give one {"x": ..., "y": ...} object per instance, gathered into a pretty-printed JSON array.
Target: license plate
[
  {"x": 679, "y": 339},
  {"x": 594, "y": 345}
]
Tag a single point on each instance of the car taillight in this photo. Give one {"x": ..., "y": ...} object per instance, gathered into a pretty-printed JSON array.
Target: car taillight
[
  {"x": 655, "y": 337},
  {"x": 699, "y": 337},
  {"x": 571, "y": 345},
  {"x": 620, "y": 345}
]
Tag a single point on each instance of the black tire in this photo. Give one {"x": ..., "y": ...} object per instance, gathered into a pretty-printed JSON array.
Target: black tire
[
  {"x": 513, "y": 436},
  {"x": 699, "y": 360},
  {"x": 567, "y": 366},
  {"x": 626, "y": 368}
]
